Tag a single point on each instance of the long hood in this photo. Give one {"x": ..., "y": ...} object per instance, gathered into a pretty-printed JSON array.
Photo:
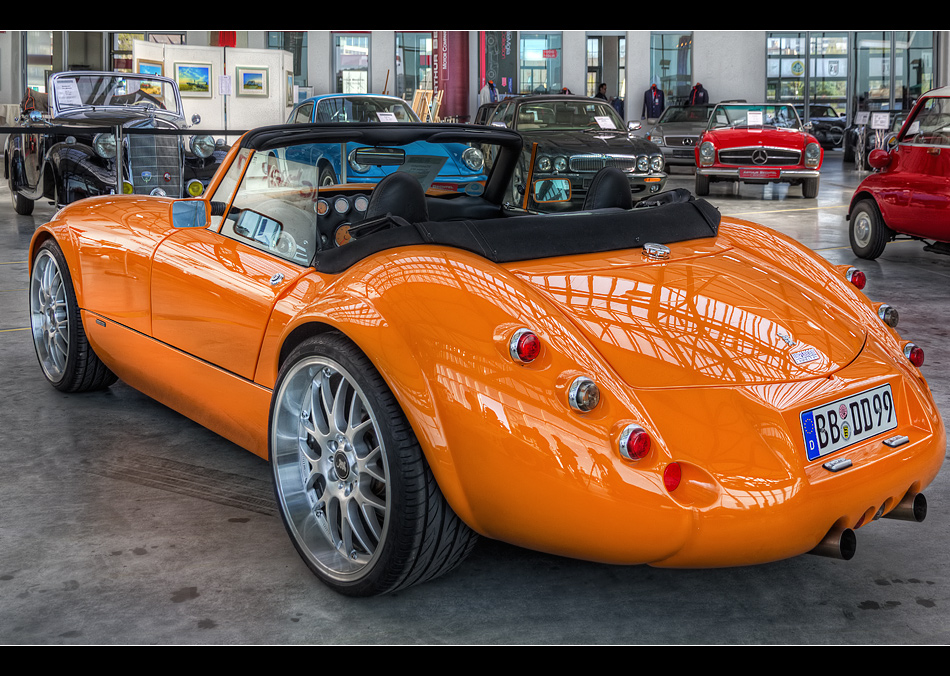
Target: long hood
[
  {"x": 713, "y": 314},
  {"x": 593, "y": 141},
  {"x": 743, "y": 137}
]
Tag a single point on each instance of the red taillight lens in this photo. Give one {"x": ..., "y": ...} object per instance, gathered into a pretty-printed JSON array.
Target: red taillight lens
[
  {"x": 635, "y": 443},
  {"x": 672, "y": 476},
  {"x": 524, "y": 346},
  {"x": 914, "y": 354},
  {"x": 856, "y": 277}
]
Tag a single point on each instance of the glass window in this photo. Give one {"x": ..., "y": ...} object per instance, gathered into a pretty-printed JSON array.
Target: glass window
[
  {"x": 302, "y": 114},
  {"x": 671, "y": 65},
  {"x": 539, "y": 63},
  {"x": 39, "y": 59},
  {"x": 595, "y": 71},
  {"x": 413, "y": 64},
  {"x": 364, "y": 109},
  {"x": 930, "y": 124},
  {"x": 294, "y": 42},
  {"x": 351, "y": 54}
]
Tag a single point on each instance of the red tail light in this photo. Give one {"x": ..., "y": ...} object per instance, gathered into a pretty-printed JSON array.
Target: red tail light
[
  {"x": 914, "y": 354},
  {"x": 635, "y": 443},
  {"x": 524, "y": 346},
  {"x": 856, "y": 277},
  {"x": 672, "y": 476}
]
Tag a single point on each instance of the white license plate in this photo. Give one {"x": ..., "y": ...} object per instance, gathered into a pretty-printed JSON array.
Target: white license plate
[{"x": 845, "y": 422}]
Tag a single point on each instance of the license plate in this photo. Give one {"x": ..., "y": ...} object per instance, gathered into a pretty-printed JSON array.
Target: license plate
[
  {"x": 759, "y": 173},
  {"x": 845, "y": 422}
]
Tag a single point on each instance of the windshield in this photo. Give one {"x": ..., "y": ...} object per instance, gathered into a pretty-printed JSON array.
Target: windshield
[
  {"x": 298, "y": 199},
  {"x": 114, "y": 90},
  {"x": 364, "y": 109},
  {"x": 930, "y": 124},
  {"x": 755, "y": 115},
  {"x": 685, "y": 114},
  {"x": 551, "y": 115}
]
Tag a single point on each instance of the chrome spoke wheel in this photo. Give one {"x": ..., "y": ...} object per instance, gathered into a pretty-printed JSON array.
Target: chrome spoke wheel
[
  {"x": 49, "y": 315},
  {"x": 330, "y": 468}
]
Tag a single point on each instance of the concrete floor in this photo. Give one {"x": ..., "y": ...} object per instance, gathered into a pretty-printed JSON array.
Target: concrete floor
[{"x": 123, "y": 523}]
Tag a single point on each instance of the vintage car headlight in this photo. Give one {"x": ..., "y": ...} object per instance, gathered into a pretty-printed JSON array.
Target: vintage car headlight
[
  {"x": 544, "y": 163},
  {"x": 812, "y": 154},
  {"x": 643, "y": 164},
  {"x": 473, "y": 159},
  {"x": 656, "y": 162},
  {"x": 560, "y": 164},
  {"x": 358, "y": 168},
  {"x": 202, "y": 145},
  {"x": 104, "y": 145},
  {"x": 195, "y": 187},
  {"x": 707, "y": 153}
]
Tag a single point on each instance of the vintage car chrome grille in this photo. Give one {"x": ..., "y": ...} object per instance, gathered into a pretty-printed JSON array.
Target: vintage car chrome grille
[
  {"x": 151, "y": 158},
  {"x": 760, "y": 157},
  {"x": 681, "y": 140},
  {"x": 598, "y": 162}
]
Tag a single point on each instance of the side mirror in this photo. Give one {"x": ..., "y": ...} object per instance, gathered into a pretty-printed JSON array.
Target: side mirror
[
  {"x": 879, "y": 158},
  {"x": 633, "y": 125},
  {"x": 190, "y": 213}
]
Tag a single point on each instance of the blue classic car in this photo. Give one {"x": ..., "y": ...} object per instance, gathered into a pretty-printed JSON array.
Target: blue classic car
[{"x": 458, "y": 168}]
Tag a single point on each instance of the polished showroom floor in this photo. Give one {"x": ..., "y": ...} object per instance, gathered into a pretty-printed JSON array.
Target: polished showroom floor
[{"x": 123, "y": 523}]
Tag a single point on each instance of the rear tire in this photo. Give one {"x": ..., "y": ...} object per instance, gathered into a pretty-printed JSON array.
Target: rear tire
[
  {"x": 353, "y": 487},
  {"x": 68, "y": 361}
]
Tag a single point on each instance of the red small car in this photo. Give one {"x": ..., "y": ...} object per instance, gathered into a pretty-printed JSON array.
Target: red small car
[
  {"x": 909, "y": 195},
  {"x": 757, "y": 143}
]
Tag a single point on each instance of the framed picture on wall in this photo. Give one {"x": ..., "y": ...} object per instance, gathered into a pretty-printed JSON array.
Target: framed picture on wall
[
  {"x": 149, "y": 67},
  {"x": 251, "y": 80},
  {"x": 194, "y": 79}
]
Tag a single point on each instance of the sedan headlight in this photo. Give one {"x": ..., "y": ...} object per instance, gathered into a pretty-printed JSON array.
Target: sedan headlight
[
  {"x": 812, "y": 155},
  {"x": 643, "y": 164},
  {"x": 202, "y": 145},
  {"x": 560, "y": 164},
  {"x": 544, "y": 163},
  {"x": 656, "y": 162},
  {"x": 655, "y": 138},
  {"x": 104, "y": 145},
  {"x": 707, "y": 153}
]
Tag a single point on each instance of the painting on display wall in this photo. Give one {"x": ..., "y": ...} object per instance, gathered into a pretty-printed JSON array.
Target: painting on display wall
[
  {"x": 194, "y": 79},
  {"x": 251, "y": 81}
]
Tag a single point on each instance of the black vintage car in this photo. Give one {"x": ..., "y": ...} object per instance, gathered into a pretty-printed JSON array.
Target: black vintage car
[
  {"x": 573, "y": 137},
  {"x": 826, "y": 124},
  {"x": 89, "y": 123}
]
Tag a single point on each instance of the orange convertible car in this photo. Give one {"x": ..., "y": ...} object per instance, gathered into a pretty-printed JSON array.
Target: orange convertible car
[{"x": 650, "y": 384}]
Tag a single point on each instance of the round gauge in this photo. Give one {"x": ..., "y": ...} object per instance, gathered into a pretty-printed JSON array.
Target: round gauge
[
  {"x": 361, "y": 203},
  {"x": 342, "y": 234},
  {"x": 341, "y": 205},
  {"x": 322, "y": 207}
]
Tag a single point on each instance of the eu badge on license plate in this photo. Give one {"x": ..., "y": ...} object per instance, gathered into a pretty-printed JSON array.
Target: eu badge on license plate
[{"x": 845, "y": 422}]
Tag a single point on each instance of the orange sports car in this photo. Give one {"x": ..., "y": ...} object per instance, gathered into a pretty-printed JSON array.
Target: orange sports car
[{"x": 651, "y": 384}]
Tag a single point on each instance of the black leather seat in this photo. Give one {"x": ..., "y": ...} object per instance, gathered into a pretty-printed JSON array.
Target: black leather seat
[{"x": 609, "y": 189}]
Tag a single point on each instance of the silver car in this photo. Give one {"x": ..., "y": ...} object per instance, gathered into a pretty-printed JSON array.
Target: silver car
[{"x": 677, "y": 132}]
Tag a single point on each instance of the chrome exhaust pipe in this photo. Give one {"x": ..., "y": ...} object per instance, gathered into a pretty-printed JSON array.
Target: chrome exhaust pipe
[
  {"x": 913, "y": 507},
  {"x": 838, "y": 543}
]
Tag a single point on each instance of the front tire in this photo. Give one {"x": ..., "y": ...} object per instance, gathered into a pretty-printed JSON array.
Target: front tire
[
  {"x": 702, "y": 185},
  {"x": 22, "y": 205},
  {"x": 353, "y": 488},
  {"x": 867, "y": 231},
  {"x": 810, "y": 188},
  {"x": 68, "y": 361}
]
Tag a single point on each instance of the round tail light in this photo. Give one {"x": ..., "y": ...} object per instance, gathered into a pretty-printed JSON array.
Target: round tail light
[
  {"x": 856, "y": 277},
  {"x": 888, "y": 315},
  {"x": 583, "y": 395},
  {"x": 524, "y": 346},
  {"x": 914, "y": 354},
  {"x": 635, "y": 442}
]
